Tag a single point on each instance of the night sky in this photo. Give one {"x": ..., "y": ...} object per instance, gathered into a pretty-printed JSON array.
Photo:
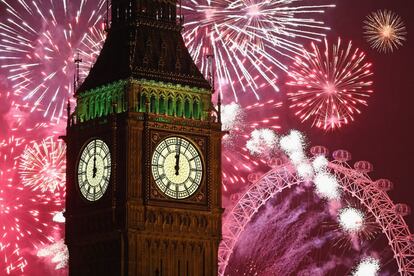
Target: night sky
[{"x": 382, "y": 133}]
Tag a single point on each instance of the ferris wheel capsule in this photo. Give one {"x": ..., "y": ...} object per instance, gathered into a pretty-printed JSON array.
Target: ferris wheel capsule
[
  {"x": 275, "y": 162},
  {"x": 235, "y": 197},
  {"x": 363, "y": 166},
  {"x": 410, "y": 238},
  {"x": 319, "y": 150},
  {"x": 253, "y": 177},
  {"x": 342, "y": 155},
  {"x": 384, "y": 185},
  {"x": 402, "y": 209}
]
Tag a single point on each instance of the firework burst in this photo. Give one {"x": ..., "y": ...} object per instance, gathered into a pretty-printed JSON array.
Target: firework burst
[
  {"x": 250, "y": 40},
  {"x": 330, "y": 85},
  {"x": 39, "y": 41},
  {"x": 367, "y": 267},
  {"x": 42, "y": 166},
  {"x": 25, "y": 217},
  {"x": 384, "y": 30},
  {"x": 239, "y": 122},
  {"x": 57, "y": 253}
]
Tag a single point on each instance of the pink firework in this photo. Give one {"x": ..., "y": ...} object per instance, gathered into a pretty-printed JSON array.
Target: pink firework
[
  {"x": 43, "y": 165},
  {"x": 239, "y": 122},
  {"x": 330, "y": 85},
  {"x": 25, "y": 216},
  {"x": 39, "y": 42},
  {"x": 250, "y": 40}
]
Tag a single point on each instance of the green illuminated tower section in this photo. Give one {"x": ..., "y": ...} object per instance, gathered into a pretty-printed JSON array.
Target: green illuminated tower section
[{"x": 143, "y": 154}]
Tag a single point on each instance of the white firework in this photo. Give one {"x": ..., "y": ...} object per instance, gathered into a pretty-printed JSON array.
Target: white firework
[
  {"x": 232, "y": 116},
  {"x": 250, "y": 39},
  {"x": 327, "y": 186},
  {"x": 43, "y": 165},
  {"x": 351, "y": 220},
  {"x": 367, "y": 267},
  {"x": 320, "y": 163},
  {"x": 262, "y": 142},
  {"x": 57, "y": 252}
]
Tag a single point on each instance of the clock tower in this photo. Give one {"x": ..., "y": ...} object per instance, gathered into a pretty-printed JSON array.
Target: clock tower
[{"x": 143, "y": 154}]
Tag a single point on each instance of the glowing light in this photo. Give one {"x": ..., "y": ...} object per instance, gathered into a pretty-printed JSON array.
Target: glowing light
[
  {"x": 43, "y": 166},
  {"x": 239, "y": 121},
  {"x": 367, "y": 267},
  {"x": 262, "y": 142},
  {"x": 294, "y": 142},
  {"x": 59, "y": 217},
  {"x": 250, "y": 40},
  {"x": 25, "y": 216},
  {"x": 305, "y": 170},
  {"x": 327, "y": 186},
  {"x": 384, "y": 30},
  {"x": 351, "y": 219},
  {"x": 320, "y": 163},
  {"x": 232, "y": 116},
  {"x": 330, "y": 85},
  {"x": 39, "y": 41},
  {"x": 57, "y": 252}
]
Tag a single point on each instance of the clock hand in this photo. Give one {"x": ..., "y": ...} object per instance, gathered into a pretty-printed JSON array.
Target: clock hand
[
  {"x": 177, "y": 158},
  {"x": 95, "y": 170}
]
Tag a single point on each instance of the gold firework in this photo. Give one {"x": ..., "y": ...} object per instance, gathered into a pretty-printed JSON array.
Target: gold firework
[{"x": 384, "y": 30}]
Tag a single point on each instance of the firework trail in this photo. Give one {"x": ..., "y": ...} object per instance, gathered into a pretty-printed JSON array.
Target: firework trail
[
  {"x": 239, "y": 122},
  {"x": 250, "y": 40},
  {"x": 385, "y": 31},
  {"x": 57, "y": 253},
  {"x": 39, "y": 41},
  {"x": 330, "y": 85},
  {"x": 367, "y": 267},
  {"x": 290, "y": 235},
  {"x": 25, "y": 216},
  {"x": 43, "y": 166}
]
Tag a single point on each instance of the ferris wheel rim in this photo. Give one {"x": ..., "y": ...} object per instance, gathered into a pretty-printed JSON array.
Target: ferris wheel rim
[{"x": 398, "y": 240}]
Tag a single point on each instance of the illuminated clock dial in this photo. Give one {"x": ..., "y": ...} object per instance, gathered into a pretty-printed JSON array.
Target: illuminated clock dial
[
  {"x": 94, "y": 170},
  {"x": 177, "y": 167}
]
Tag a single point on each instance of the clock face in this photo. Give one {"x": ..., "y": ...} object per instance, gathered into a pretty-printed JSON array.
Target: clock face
[
  {"x": 177, "y": 167},
  {"x": 94, "y": 170}
]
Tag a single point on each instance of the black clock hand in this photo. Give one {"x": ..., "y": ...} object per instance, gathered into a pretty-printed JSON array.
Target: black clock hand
[
  {"x": 95, "y": 170},
  {"x": 177, "y": 158}
]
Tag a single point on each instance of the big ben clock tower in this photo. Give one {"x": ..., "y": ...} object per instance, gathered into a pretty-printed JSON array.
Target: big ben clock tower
[{"x": 143, "y": 154}]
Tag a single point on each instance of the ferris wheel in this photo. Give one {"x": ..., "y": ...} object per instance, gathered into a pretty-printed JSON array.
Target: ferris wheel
[{"x": 354, "y": 181}]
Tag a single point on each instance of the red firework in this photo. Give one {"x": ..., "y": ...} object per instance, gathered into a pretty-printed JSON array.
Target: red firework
[
  {"x": 25, "y": 216},
  {"x": 239, "y": 122},
  {"x": 331, "y": 84}
]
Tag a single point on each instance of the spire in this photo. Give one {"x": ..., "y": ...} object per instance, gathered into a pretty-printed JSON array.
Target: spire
[
  {"x": 68, "y": 110},
  {"x": 127, "y": 11},
  {"x": 144, "y": 42}
]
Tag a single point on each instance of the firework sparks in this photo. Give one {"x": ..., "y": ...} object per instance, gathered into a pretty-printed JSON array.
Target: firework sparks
[
  {"x": 25, "y": 217},
  {"x": 38, "y": 45},
  {"x": 384, "y": 30},
  {"x": 332, "y": 83},
  {"x": 43, "y": 166},
  {"x": 246, "y": 35},
  {"x": 262, "y": 142},
  {"x": 327, "y": 186},
  {"x": 232, "y": 116},
  {"x": 238, "y": 121},
  {"x": 351, "y": 220},
  {"x": 57, "y": 252},
  {"x": 367, "y": 267}
]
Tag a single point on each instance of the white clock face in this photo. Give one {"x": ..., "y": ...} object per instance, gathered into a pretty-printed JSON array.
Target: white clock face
[
  {"x": 94, "y": 170},
  {"x": 177, "y": 167}
]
